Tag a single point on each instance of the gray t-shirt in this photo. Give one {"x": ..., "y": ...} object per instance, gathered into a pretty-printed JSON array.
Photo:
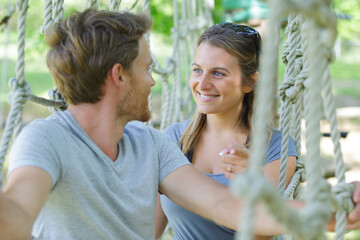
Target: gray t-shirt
[{"x": 93, "y": 197}]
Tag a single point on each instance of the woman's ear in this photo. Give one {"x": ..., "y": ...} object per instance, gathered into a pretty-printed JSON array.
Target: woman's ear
[{"x": 254, "y": 77}]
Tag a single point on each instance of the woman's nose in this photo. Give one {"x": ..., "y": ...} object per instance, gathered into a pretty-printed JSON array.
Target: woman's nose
[{"x": 204, "y": 82}]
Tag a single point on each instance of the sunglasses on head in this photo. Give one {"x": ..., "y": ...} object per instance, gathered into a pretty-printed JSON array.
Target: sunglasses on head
[{"x": 245, "y": 31}]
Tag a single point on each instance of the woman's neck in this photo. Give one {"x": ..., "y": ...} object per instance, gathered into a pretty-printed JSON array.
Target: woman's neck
[{"x": 221, "y": 122}]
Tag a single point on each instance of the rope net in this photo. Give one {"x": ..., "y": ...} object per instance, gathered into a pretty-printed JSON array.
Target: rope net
[{"x": 307, "y": 53}]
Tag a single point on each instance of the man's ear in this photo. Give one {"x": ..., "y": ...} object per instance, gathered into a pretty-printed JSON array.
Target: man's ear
[
  {"x": 117, "y": 74},
  {"x": 254, "y": 77}
]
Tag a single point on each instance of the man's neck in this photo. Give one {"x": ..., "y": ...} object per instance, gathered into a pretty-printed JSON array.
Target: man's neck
[{"x": 101, "y": 124}]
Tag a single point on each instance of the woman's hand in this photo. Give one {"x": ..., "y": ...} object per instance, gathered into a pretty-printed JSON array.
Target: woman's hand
[{"x": 235, "y": 159}]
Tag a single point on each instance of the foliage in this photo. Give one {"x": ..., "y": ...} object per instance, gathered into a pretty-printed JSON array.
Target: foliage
[
  {"x": 217, "y": 12},
  {"x": 348, "y": 28},
  {"x": 162, "y": 13}
]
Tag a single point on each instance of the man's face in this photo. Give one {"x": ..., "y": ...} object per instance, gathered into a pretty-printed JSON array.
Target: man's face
[{"x": 135, "y": 102}]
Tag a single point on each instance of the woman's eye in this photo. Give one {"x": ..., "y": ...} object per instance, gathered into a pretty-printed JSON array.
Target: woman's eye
[
  {"x": 196, "y": 70},
  {"x": 218, "y": 74}
]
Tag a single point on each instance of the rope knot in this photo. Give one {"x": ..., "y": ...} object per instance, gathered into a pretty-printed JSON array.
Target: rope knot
[
  {"x": 55, "y": 94},
  {"x": 18, "y": 92},
  {"x": 250, "y": 186},
  {"x": 343, "y": 193},
  {"x": 300, "y": 167},
  {"x": 170, "y": 65}
]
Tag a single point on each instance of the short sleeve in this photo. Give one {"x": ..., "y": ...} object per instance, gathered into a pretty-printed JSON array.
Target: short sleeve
[
  {"x": 35, "y": 147},
  {"x": 170, "y": 155},
  {"x": 176, "y": 130},
  {"x": 274, "y": 147}
]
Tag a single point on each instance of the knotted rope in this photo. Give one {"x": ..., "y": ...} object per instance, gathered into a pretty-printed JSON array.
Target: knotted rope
[
  {"x": 19, "y": 89},
  {"x": 306, "y": 56},
  {"x": 310, "y": 36}
]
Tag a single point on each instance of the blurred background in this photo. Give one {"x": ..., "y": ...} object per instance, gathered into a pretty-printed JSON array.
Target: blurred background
[{"x": 345, "y": 70}]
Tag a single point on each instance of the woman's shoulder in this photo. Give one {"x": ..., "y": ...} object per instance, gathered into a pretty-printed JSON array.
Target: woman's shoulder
[{"x": 276, "y": 134}]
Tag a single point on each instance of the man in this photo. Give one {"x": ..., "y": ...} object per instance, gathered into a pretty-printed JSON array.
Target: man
[{"x": 88, "y": 173}]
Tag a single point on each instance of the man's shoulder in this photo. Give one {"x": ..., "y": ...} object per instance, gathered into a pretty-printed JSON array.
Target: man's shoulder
[
  {"x": 50, "y": 123},
  {"x": 139, "y": 129},
  {"x": 53, "y": 128}
]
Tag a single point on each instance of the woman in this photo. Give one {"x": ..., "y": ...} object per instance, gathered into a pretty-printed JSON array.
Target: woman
[{"x": 222, "y": 81}]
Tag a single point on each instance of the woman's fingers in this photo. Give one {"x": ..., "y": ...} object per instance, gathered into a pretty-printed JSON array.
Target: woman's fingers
[
  {"x": 234, "y": 159},
  {"x": 237, "y": 150},
  {"x": 234, "y": 168}
]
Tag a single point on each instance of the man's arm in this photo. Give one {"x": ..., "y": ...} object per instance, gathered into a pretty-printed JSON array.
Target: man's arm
[
  {"x": 21, "y": 200},
  {"x": 202, "y": 195},
  {"x": 160, "y": 219},
  {"x": 354, "y": 216},
  {"x": 353, "y": 219}
]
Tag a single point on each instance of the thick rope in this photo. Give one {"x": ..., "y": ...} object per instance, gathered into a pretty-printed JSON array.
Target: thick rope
[
  {"x": 261, "y": 113},
  {"x": 58, "y": 15},
  {"x": 48, "y": 20},
  {"x": 114, "y": 5},
  {"x": 302, "y": 77},
  {"x": 317, "y": 194},
  {"x": 289, "y": 94},
  {"x": 342, "y": 190},
  {"x": 19, "y": 89},
  {"x": 285, "y": 120},
  {"x": 193, "y": 18},
  {"x": 58, "y": 11},
  {"x": 4, "y": 64},
  {"x": 93, "y": 4}
]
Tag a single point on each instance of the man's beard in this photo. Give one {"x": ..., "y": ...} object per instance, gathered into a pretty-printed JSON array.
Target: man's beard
[{"x": 131, "y": 106}]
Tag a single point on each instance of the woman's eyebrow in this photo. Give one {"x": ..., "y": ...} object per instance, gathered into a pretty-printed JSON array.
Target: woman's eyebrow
[{"x": 214, "y": 68}]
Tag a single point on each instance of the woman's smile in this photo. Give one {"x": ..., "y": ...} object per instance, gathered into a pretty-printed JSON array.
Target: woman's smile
[{"x": 207, "y": 97}]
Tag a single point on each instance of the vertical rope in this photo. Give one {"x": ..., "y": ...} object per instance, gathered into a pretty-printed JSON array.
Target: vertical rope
[
  {"x": 48, "y": 20},
  {"x": 19, "y": 89},
  {"x": 146, "y": 6},
  {"x": 168, "y": 106},
  {"x": 4, "y": 65},
  {"x": 114, "y": 5},
  {"x": 93, "y": 4},
  {"x": 285, "y": 119},
  {"x": 57, "y": 15},
  {"x": 300, "y": 165},
  {"x": 316, "y": 188},
  {"x": 345, "y": 198},
  {"x": 261, "y": 117},
  {"x": 58, "y": 11},
  {"x": 288, "y": 92}
]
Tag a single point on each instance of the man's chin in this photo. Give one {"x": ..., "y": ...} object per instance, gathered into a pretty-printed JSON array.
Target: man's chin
[{"x": 145, "y": 117}]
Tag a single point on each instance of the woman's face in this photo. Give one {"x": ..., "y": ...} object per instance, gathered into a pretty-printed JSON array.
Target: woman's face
[{"x": 216, "y": 81}]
